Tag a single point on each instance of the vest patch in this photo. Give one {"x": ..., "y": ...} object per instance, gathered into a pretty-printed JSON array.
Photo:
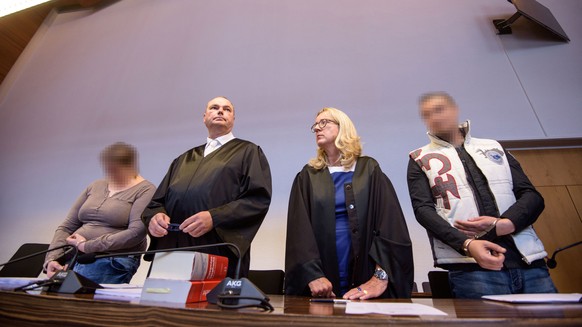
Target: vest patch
[{"x": 494, "y": 155}]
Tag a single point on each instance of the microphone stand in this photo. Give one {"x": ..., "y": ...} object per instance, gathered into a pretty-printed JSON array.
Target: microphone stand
[
  {"x": 71, "y": 247},
  {"x": 49, "y": 281},
  {"x": 63, "y": 281},
  {"x": 552, "y": 263}
]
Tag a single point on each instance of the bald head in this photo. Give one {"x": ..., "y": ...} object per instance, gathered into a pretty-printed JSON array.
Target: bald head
[
  {"x": 219, "y": 117},
  {"x": 220, "y": 97}
]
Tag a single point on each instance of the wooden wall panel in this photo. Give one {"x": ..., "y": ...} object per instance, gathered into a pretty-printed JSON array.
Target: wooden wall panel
[
  {"x": 576, "y": 195},
  {"x": 556, "y": 175},
  {"x": 558, "y": 226},
  {"x": 551, "y": 167}
]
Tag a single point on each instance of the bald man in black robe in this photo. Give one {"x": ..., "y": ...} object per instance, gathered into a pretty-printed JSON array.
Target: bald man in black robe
[{"x": 217, "y": 192}]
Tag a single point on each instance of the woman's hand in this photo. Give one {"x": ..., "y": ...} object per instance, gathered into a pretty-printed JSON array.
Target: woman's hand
[
  {"x": 52, "y": 267},
  {"x": 369, "y": 290},
  {"x": 77, "y": 240},
  {"x": 321, "y": 287}
]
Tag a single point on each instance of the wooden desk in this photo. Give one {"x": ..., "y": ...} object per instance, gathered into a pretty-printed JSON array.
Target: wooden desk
[{"x": 19, "y": 309}]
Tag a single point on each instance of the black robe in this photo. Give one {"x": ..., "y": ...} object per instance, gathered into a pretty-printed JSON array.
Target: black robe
[
  {"x": 379, "y": 232},
  {"x": 233, "y": 183}
]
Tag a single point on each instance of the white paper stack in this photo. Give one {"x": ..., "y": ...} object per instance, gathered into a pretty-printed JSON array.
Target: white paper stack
[
  {"x": 115, "y": 291},
  {"x": 537, "y": 298},
  {"x": 393, "y": 309}
]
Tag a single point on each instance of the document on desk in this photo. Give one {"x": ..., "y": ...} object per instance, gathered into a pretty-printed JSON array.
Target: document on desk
[
  {"x": 119, "y": 291},
  {"x": 537, "y": 298},
  {"x": 393, "y": 309}
]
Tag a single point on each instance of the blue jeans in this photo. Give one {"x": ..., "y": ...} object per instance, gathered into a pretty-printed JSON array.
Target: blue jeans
[
  {"x": 117, "y": 270},
  {"x": 474, "y": 284}
]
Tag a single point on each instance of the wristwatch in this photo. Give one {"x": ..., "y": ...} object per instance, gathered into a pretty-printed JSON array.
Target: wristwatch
[{"x": 380, "y": 274}]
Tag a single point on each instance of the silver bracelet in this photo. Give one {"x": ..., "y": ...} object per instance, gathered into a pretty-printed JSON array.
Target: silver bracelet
[
  {"x": 466, "y": 246},
  {"x": 494, "y": 223}
]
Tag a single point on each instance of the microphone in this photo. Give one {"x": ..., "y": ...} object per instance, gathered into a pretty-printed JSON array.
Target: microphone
[
  {"x": 71, "y": 248},
  {"x": 551, "y": 262},
  {"x": 68, "y": 281},
  {"x": 231, "y": 293},
  {"x": 64, "y": 281}
]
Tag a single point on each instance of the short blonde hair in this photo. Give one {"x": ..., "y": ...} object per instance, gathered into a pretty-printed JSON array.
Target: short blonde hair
[{"x": 347, "y": 141}]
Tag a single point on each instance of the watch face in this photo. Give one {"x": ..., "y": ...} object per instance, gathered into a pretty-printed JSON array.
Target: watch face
[{"x": 381, "y": 274}]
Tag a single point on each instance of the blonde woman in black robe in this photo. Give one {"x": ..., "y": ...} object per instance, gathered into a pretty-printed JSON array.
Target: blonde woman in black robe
[{"x": 346, "y": 234}]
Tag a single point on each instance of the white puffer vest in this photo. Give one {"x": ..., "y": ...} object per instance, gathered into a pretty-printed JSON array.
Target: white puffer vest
[{"x": 454, "y": 196}]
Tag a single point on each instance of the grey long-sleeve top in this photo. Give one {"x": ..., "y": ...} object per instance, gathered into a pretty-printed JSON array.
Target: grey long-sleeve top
[{"x": 109, "y": 223}]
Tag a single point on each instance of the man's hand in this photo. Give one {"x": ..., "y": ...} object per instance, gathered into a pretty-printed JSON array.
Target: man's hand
[
  {"x": 488, "y": 255},
  {"x": 504, "y": 227},
  {"x": 321, "y": 287},
  {"x": 198, "y": 224},
  {"x": 474, "y": 226},
  {"x": 52, "y": 267},
  {"x": 369, "y": 290},
  {"x": 158, "y": 226}
]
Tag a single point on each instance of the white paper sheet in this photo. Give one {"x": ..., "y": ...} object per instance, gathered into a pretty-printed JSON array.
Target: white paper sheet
[
  {"x": 120, "y": 290},
  {"x": 393, "y": 309},
  {"x": 120, "y": 286},
  {"x": 537, "y": 298}
]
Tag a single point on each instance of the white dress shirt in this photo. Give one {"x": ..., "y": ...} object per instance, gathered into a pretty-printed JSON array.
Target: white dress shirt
[{"x": 215, "y": 144}]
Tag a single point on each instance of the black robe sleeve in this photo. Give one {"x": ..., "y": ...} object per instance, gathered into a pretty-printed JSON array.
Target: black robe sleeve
[
  {"x": 157, "y": 204},
  {"x": 391, "y": 246},
  {"x": 302, "y": 258},
  {"x": 238, "y": 221}
]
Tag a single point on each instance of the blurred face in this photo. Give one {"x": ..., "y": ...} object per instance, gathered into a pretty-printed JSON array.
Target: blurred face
[
  {"x": 440, "y": 116},
  {"x": 325, "y": 129},
  {"x": 219, "y": 116},
  {"x": 118, "y": 173}
]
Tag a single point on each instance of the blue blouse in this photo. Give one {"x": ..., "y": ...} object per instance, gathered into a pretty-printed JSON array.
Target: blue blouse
[{"x": 343, "y": 239}]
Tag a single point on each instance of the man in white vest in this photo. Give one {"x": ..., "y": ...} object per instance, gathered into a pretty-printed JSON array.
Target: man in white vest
[{"x": 478, "y": 207}]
